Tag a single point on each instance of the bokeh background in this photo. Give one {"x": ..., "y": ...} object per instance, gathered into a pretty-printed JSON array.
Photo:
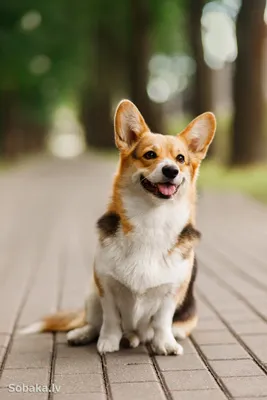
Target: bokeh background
[{"x": 65, "y": 64}]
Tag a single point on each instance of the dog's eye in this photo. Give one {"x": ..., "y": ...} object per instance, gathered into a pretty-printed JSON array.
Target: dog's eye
[
  {"x": 149, "y": 155},
  {"x": 180, "y": 158}
]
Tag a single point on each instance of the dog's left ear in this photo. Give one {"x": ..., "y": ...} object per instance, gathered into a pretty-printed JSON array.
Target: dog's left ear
[
  {"x": 129, "y": 125},
  {"x": 199, "y": 134}
]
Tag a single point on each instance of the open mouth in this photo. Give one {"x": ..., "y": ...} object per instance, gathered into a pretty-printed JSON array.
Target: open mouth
[{"x": 163, "y": 190}]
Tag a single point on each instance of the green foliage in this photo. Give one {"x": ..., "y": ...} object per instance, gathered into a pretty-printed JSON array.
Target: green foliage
[
  {"x": 249, "y": 180},
  {"x": 170, "y": 31},
  {"x": 68, "y": 39}
]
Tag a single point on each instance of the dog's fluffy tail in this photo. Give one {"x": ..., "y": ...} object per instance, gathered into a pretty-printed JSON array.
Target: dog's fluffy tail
[{"x": 62, "y": 321}]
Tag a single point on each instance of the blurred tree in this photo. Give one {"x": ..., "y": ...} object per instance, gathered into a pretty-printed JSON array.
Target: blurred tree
[
  {"x": 202, "y": 81},
  {"x": 37, "y": 69},
  {"x": 88, "y": 54},
  {"x": 95, "y": 100},
  {"x": 247, "y": 130},
  {"x": 142, "y": 22}
]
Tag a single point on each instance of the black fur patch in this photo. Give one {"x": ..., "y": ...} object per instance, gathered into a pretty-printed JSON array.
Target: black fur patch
[
  {"x": 187, "y": 239},
  {"x": 108, "y": 224},
  {"x": 187, "y": 309},
  {"x": 189, "y": 233}
]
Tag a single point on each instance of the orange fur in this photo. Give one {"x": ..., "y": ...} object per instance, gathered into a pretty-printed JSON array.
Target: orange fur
[
  {"x": 98, "y": 284},
  {"x": 63, "y": 321},
  {"x": 188, "y": 325},
  {"x": 117, "y": 206}
]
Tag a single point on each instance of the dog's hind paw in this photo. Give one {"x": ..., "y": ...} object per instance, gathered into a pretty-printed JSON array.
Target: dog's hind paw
[
  {"x": 81, "y": 336},
  {"x": 108, "y": 344}
]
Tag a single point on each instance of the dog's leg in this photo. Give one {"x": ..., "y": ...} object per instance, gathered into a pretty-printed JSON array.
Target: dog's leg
[
  {"x": 163, "y": 341},
  {"x": 145, "y": 331},
  {"x": 128, "y": 331},
  {"x": 185, "y": 317},
  {"x": 110, "y": 333},
  {"x": 93, "y": 316}
]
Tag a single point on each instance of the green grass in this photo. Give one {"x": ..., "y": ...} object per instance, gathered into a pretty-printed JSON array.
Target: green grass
[
  {"x": 4, "y": 165},
  {"x": 248, "y": 180}
]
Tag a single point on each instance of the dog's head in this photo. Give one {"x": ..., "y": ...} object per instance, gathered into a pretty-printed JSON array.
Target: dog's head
[{"x": 160, "y": 166}]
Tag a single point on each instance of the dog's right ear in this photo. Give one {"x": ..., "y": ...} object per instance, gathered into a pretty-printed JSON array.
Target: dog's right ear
[{"x": 129, "y": 125}]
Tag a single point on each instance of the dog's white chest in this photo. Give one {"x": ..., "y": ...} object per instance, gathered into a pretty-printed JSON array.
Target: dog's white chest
[{"x": 141, "y": 259}]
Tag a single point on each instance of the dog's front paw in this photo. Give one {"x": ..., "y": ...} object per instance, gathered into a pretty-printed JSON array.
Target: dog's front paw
[
  {"x": 146, "y": 335},
  {"x": 133, "y": 339},
  {"x": 166, "y": 346},
  {"x": 108, "y": 344}
]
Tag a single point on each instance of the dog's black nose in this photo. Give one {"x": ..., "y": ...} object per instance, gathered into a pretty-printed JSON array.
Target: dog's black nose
[{"x": 170, "y": 171}]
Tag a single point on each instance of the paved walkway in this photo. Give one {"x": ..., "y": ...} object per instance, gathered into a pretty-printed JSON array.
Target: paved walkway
[{"x": 47, "y": 240}]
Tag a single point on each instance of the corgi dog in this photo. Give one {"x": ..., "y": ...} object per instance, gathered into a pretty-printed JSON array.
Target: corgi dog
[{"x": 145, "y": 267}]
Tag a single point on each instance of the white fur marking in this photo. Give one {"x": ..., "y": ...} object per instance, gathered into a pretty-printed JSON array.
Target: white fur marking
[{"x": 33, "y": 328}]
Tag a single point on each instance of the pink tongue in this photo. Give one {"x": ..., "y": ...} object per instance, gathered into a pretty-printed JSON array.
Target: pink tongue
[{"x": 167, "y": 190}]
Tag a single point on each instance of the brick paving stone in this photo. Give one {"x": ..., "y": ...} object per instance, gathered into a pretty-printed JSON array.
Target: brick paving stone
[
  {"x": 73, "y": 360},
  {"x": 78, "y": 365},
  {"x": 233, "y": 317},
  {"x": 211, "y": 324},
  {"x": 80, "y": 396},
  {"x": 212, "y": 394},
  {"x": 256, "y": 341},
  {"x": 250, "y": 327},
  {"x": 61, "y": 339},
  {"x": 187, "y": 346},
  {"x": 2, "y": 353},
  {"x": 189, "y": 380},
  {"x": 183, "y": 363},
  {"x": 28, "y": 360},
  {"x": 224, "y": 352},
  {"x": 32, "y": 343},
  {"x": 80, "y": 383},
  {"x": 131, "y": 373},
  {"x": 252, "y": 398},
  {"x": 254, "y": 386},
  {"x": 126, "y": 357},
  {"x": 221, "y": 337},
  {"x": 137, "y": 391},
  {"x": 4, "y": 339},
  {"x": 65, "y": 351},
  {"x": 27, "y": 376},
  {"x": 6, "y": 395},
  {"x": 228, "y": 368},
  {"x": 258, "y": 344}
]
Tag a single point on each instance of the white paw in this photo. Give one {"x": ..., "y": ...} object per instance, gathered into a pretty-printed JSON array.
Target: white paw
[
  {"x": 134, "y": 342},
  {"x": 81, "y": 336},
  {"x": 108, "y": 344},
  {"x": 166, "y": 346},
  {"x": 178, "y": 333},
  {"x": 133, "y": 339},
  {"x": 146, "y": 335}
]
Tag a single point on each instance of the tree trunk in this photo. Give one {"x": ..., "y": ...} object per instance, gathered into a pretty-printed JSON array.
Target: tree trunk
[
  {"x": 11, "y": 142},
  {"x": 139, "y": 56},
  {"x": 247, "y": 130},
  {"x": 202, "y": 84},
  {"x": 96, "y": 98}
]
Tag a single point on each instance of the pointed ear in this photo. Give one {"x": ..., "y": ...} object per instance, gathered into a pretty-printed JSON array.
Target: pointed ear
[
  {"x": 129, "y": 125},
  {"x": 199, "y": 134}
]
